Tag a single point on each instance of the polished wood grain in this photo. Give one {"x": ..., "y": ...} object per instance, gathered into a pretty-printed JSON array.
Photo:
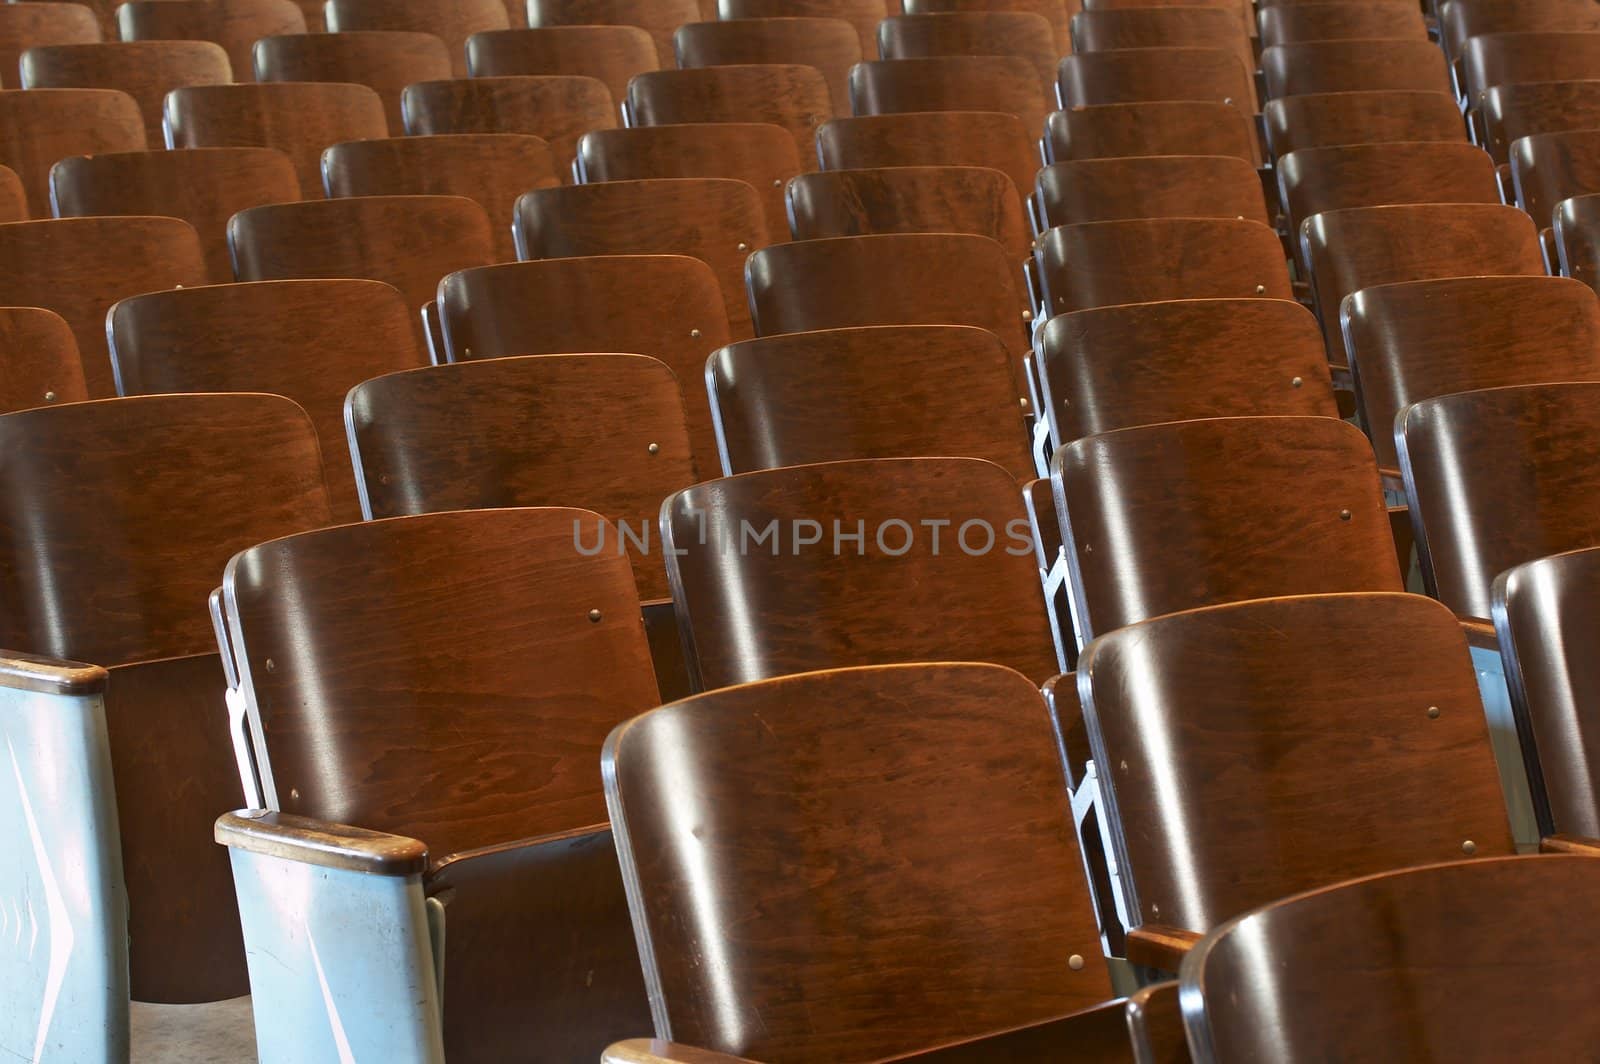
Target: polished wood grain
[
  {"x": 863, "y": 15},
  {"x": 931, "y": 138},
  {"x": 1239, "y": 7},
  {"x": 78, "y": 267},
  {"x": 658, "y": 18},
  {"x": 1162, "y": 518},
  {"x": 1155, "y": 1023},
  {"x": 1190, "y": 26},
  {"x": 1143, "y": 363},
  {"x": 13, "y": 197},
  {"x": 535, "y": 430},
  {"x": 234, "y": 24},
  {"x": 320, "y": 843},
  {"x": 1327, "y": 119},
  {"x": 1159, "y": 127},
  {"x": 1461, "y": 19},
  {"x": 715, "y": 220},
  {"x": 1354, "y": 66},
  {"x": 39, "y": 361},
  {"x": 1141, "y": 75},
  {"x": 385, "y": 61},
  {"x": 1508, "y": 58},
  {"x": 1055, "y": 12},
  {"x": 1000, "y": 83},
  {"x": 1294, "y": 23},
  {"x": 1577, "y": 238},
  {"x": 53, "y": 676},
  {"x": 203, "y": 186},
  {"x": 1420, "y": 339},
  {"x": 1509, "y": 112},
  {"x": 557, "y": 109},
  {"x": 613, "y": 54},
  {"x": 761, "y": 155},
  {"x": 1423, "y": 963},
  {"x": 885, "y": 391},
  {"x": 1547, "y": 168},
  {"x": 802, "y": 600},
  {"x": 1357, "y": 247},
  {"x": 1151, "y": 186},
  {"x": 794, "y": 97},
  {"x": 828, "y": 44},
  {"x": 27, "y": 25},
  {"x": 656, "y": 1051},
  {"x": 491, "y": 169},
  {"x": 300, "y": 119},
  {"x": 1022, "y": 34},
  {"x": 145, "y": 70},
  {"x": 452, "y": 21},
  {"x": 824, "y": 766},
  {"x": 309, "y": 340}
]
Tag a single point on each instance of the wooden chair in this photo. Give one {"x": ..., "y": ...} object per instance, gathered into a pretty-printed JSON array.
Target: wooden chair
[
  {"x": 1547, "y": 168},
  {"x": 1329, "y": 119},
  {"x": 762, "y": 156},
  {"x": 1152, "y": 186},
  {"x": 385, "y": 61},
  {"x": 1510, "y": 112},
  {"x": 38, "y": 127},
  {"x": 1508, "y": 58},
  {"x": 1159, "y": 127},
  {"x": 715, "y": 220},
  {"x": 28, "y": 25},
  {"x": 13, "y": 198},
  {"x": 145, "y": 70},
  {"x": 883, "y": 391},
  {"x": 538, "y": 961},
  {"x": 1421, "y": 339},
  {"x": 556, "y": 109},
  {"x": 452, "y": 21},
  {"x": 1354, "y": 66},
  {"x": 234, "y": 24},
  {"x": 864, "y": 15},
  {"x": 1190, "y": 26},
  {"x": 1021, "y": 34},
  {"x": 39, "y": 361},
  {"x": 203, "y": 186},
  {"x": 828, "y": 44},
  {"x": 1055, "y": 12},
  {"x": 1460, "y": 20},
  {"x": 794, "y": 97},
  {"x": 1577, "y": 238},
  {"x": 1296, "y": 23},
  {"x": 931, "y": 138},
  {"x": 949, "y": 83},
  {"x": 491, "y": 169},
  {"x": 122, "y": 765},
  {"x": 658, "y": 18},
  {"x": 810, "y": 598},
  {"x": 300, "y": 119},
  {"x": 1243, "y": 10},
  {"x": 309, "y": 340},
  {"x": 1145, "y": 75},
  {"x": 1358, "y": 247},
  {"x": 611, "y": 54}
]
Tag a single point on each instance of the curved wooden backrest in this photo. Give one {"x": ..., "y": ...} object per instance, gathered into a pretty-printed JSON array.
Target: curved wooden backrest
[
  {"x": 1463, "y": 19},
  {"x": 308, "y": 340},
  {"x": 883, "y": 391},
  {"x": 1513, "y": 111},
  {"x": 39, "y": 361},
  {"x": 1547, "y": 168},
  {"x": 38, "y": 127},
  {"x": 931, "y": 138},
  {"x": 1312, "y": 180},
  {"x": 1143, "y": 363},
  {"x": 910, "y": 199},
  {"x": 1139, "y": 75},
  {"x": 863, "y": 15},
  {"x": 556, "y": 109},
  {"x": 1244, "y": 10},
  {"x": 715, "y": 220},
  {"x": 1164, "y": 27},
  {"x": 820, "y": 775},
  {"x": 1021, "y": 34},
  {"x": 78, "y": 267},
  {"x": 234, "y": 24},
  {"x": 658, "y": 18},
  {"x": 452, "y": 21},
  {"x": 828, "y": 44},
  {"x": 1155, "y": 127},
  {"x": 1151, "y": 186},
  {"x": 767, "y": 580},
  {"x": 1419, "y": 339},
  {"x": 1000, "y": 83},
  {"x": 1354, "y": 66},
  {"x": 1162, "y": 518},
  {"x": 763, "y": 156},
  {"x": 28, "y": 25},
  {"x": 794, "y": 97},
  {"x": 1358, "y": 247},
  {"x": 13, "y": 198},
  {"x": 203, "y": 186},
  {"x": 385, "y": 61},
  {"x": 1276, "y": 706},
  {"x": 1055, "y": 12},
  {"x": 612, "y": 54},
  {"x": 1496, "y": 478},
  {"x": 145, "y": 70},
  {"x": 1142, "y": 260},
  {"x": 1508, "y": 58},
  {"x": 491, "y": 169},
  {"x": 1422, "y": 963},
  {"x": 298, "y": 118},
  {"x": 535, "y": 430},
  {"x": 1328, "y": 119},
  {"x": 666, "y": 306},
  {"x": 1577, "y": 238},
  {"x": 1294, "y": 23}
]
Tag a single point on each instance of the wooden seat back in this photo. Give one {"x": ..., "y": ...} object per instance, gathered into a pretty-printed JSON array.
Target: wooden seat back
[
  {"x": 794, "y": 97},
  {"x": 1509, "y": 112},
  {"x": 1509, "y": 58},
  {"x": 1151, "y": 186},
  {"x": 863, "y": 15},
  {"x": 234, "y": 24},
  {"x": 658, "y": 18},
  {"x": 1188, "y": 26},
  {"x": 145, "y": 70},
  {"x": 1000, "y": 83},
  {"x": 28, "y": 25},
  {"x": 1460, "y": 20},
  {"x": 1156, "y": 127},
  {"x": 1547, "y": 168},
  {"x": 931, "y": 138},
  {"x": 1143, "y": 75},
  {"x": 452, "y": 21},
  {"x": 1055, "y": 12},
  {"x": 1021, "y": 34},
  {"x": 612, "y": 54},
  {"x": 556, "y": 109},
  {"x": 385, "y": 61},
  {"x": 1354, "y": 66},
  {"x": 39, "y": 362},
  {"x": 1328, "y": 119},
  {"x": 910, "y": 199},
  {"x": 1577, "y": 238},
  {"x": 830, "y": 45},
  {"x": 1294, "y": 23}
]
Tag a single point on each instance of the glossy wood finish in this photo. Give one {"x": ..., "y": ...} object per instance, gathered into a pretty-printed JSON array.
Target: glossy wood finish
[
  {"x": 715, "y": 220},
  {"x": 1161, "y": 127},
  {"x": 1420, "y": 339},
  {"x": 1293, "y": 23},
  {"x": 145, "y": 70},
  {"x": 931, "y": 138},
  {"x": 51, "y": 676},
  {"x": 556, "y": 109},
  {"x": 1577, "y": 238},
  {"x": 669, "y": 307},
  {"x": 1151, "y": 186},
  {"x": 747, "y": 614},
  {"x": 452, "y": 21},
  {"x": 320, "y": 843},
  {"x": 1327, "y": 119},
  {"x": 13, "y": 198},
  {"x": 203, "y": 186},
  {"x": 949, "y": 83},
  {"x": 860, "y": 887},
  {"x": 794, "y": 97},
  {"x": 1100, "y": 264},
  {"x": 298, "y": 118},
  {"x": 658, "y": 18},
  {"x": 234, "y": 24},
  {"x": 1461, "y": 19},
  {"x": 536, "y": 430},
  {"x": 1145, "y": 363},
  {"x": 1163, "y": 518},
  {"x": 385, "y": 61},
  {"x": 39, "y": 362},
  {"x": 1022, "y": 34},
  {"x": 1189, "y": 26},
  {"x": 887, "y": 391},
  {"x": 1155, "y": 1023},
  {"x": 1055, "y": 12},
  {"x": 1141, "y": 75},
  {"x": 1423, "y": 963},
  {"x": 491, "y": 169},
  {"x": 40, "y": 126},
  {"x": 1547, "y": 168},
  {"x": 613, "y": 54},
  {"x": 27, "y": 25},
  {"x": 828, "y": 44},
  {"x": 1509, "y": 112},
  {"x": 1525, "y": 491},
  {"x": 309, "y": 340},
  {"x": 1354, "y": 66},
  {"x": 1508, "y": 58}
]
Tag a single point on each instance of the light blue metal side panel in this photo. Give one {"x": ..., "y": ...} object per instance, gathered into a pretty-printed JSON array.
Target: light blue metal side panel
[{"x": 1507, "y": 748}]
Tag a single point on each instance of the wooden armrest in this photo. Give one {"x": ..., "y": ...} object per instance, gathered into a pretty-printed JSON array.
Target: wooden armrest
[
  {"x": 1480, "y": 633},
  {"x": 1393, "y": 480},
  {"x": 1574, "y": 844},
  {"x": 1342, "y": 379},
  {"x": 1159, "y": 946},
  {"x": 320, "y": 842},
  {"x": 655, "y": 1051},
  {"x": 1155, "y": 1022},
  {"x": 51, "y": 676}
]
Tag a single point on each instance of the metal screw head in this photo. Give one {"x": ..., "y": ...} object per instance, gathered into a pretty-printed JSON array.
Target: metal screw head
[
  {"x": 271, "y": 665},
  {"x": 1433, "y": 712},
  {"x": 1075, "y": 962},
  {"x": 1469, "y": 847},
  {"x": 777, "y": 182},
  {"x": 177, "y": 286},
  {"x": 1296, "y": 383},
  {"x": 594, "y": 615},
  {"x": 466, "y": 352},
  {"x": 49, "y": 397},
  {"x": 743, "y": 246},
  {"x": 294, "y": 794},
  {"x": 694, "y": 334},
  {"x": 1261, "y": 289},
  {"x": 1027, "y": 315},
  {"x": 654, "y": 448},
  {"x": 1024, "y": 402},
  {"x": 1227, "y": 99},
  {"x": 1344, "y": 515}
]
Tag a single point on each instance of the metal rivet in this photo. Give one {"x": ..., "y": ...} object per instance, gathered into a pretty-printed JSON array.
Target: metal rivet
[
  {"x": 1344, "y": 515},
  {"x": 777, "y": 182},
  {"x": 594, "y": 615},
  {"x": 177, "y": 286},
  {"x": 1027, "y": 315},
  {"x": 1075, "y": 962},
  {"x": 49, "y": 397},
  {"x": 1261, "y": 289},
  {"x": 294, "y": 794},
  {"x": 1227, "y": 99},
  {"x": 1123, "y": 765},
  {"x": 694, "y": 334},
  {"x": 1297, "y": 382},
  {"x": 271, "y": 665},
  {"x": 743, "y": 246},
  {"x": 1469, "y": 847},
  {"x": 654, "y": 448},
  {"x": 1024, "y": 402},
  {"x": 1433, "y": 712},
  {"x": 466, "y": 352}
]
